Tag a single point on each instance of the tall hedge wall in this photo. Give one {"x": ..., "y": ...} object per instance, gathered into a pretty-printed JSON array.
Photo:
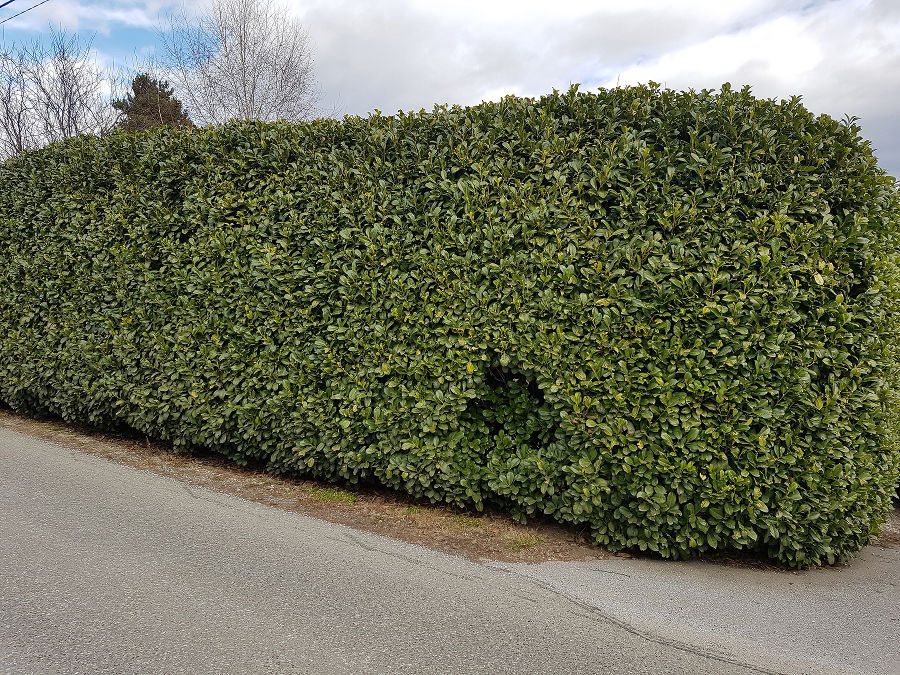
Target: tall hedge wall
[{"x": 668, "y": 317}]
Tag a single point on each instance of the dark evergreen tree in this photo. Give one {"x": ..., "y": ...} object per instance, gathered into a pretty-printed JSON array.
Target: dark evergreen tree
[{"x": 150, "y": 103}]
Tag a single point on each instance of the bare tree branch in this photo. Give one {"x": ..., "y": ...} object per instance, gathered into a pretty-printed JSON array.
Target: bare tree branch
[
  {"x": 17, "y": 133},
  {"x": 51, "y": 91},
  {"x": 246, "y": 59}
]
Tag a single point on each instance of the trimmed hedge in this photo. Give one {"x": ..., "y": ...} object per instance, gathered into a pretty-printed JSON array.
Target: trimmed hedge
[{"x": 669, "y": 317}]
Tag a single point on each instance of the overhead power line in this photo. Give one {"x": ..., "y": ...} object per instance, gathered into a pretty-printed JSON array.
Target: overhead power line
[
  {"x": 23, "y": 11},
  {"x": 8, "y": 2}
]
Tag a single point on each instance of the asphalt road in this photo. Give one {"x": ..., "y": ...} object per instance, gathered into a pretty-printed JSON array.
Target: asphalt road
[{"x": 108, "y": 569}]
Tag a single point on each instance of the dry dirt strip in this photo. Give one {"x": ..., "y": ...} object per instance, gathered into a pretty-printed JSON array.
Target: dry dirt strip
[{"x": 104, "y": 568}]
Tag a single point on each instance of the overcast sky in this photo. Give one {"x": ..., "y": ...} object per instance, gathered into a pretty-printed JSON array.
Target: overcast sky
[{"x": 841, "y": 56}]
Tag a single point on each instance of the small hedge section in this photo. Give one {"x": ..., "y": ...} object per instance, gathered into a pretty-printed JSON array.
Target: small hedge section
[{"x": 668, "y": 318}]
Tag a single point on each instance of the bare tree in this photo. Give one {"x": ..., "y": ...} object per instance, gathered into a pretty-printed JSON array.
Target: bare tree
[
  {"x": 246, "y": 59},
  {"x": 50, "y": 91},
  {"x": 68, "y": 89},
  {"x": 17, "y": 128}
]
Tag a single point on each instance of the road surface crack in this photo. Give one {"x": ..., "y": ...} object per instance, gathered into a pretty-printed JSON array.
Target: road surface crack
[{"x": 595, "y": 611}]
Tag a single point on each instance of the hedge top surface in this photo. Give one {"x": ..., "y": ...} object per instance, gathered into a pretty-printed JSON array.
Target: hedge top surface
[{"x": 669, "y": 317}]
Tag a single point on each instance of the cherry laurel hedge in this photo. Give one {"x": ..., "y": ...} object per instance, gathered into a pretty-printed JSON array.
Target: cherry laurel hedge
[{"x": 665, "y": 317}]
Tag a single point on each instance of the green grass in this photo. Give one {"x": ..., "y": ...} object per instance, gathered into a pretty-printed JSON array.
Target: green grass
[
  {"x": 467, "y": 521},
  {"x": 333, "y": 495},
  {"x": 525, "y": 540}
]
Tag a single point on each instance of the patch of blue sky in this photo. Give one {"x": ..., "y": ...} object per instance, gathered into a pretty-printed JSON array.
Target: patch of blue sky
[{"x": 124, "y": 46}]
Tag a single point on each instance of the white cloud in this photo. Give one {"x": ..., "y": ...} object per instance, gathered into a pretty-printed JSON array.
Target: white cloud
[
  {"x": 835, "y": 57},
  {"x": 842, "y": 56},
  {"x": 778, "y": 53},
  {"x": 399, "y": 54}
]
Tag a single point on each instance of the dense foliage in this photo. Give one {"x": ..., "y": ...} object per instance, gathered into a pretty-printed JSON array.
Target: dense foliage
[
  {"x": 666, "y": 316},
  {"x": 150, "y": 103}
]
